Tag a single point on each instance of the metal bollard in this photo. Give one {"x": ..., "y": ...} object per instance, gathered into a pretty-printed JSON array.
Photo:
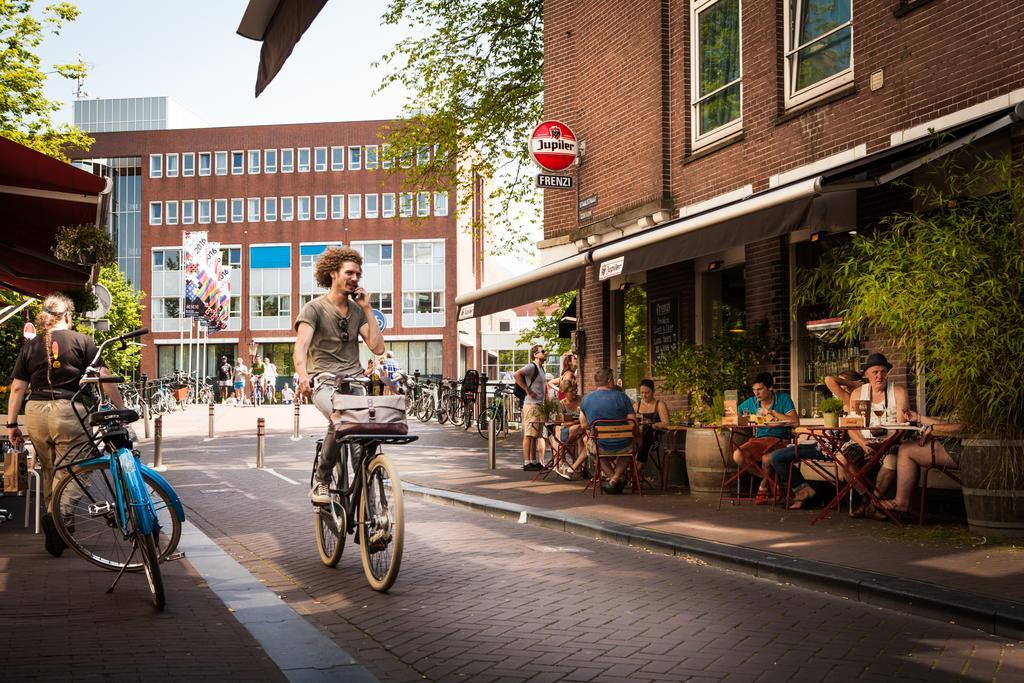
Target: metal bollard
[
  {"x": 295, "y": 429},
  {"x": 145, "y": 417},
  {"x": 158, "y": 437},
  {"x": 260, "y": 435},
  {"x": 211, "y": 420},
  {"x": 491, "y": 444}
]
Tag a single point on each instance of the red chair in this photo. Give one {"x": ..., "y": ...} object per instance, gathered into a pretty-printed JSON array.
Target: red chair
[{"x": 614, "y": 429}]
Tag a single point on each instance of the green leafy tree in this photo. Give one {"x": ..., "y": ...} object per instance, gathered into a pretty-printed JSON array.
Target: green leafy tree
[
  {"x": 474, "y": 69},
  {"x": 125, "y": 315},
  {"x": 635, "y": 328},
  {"x": 545, "y": 325},
  {"x": 25, "y": 113}
]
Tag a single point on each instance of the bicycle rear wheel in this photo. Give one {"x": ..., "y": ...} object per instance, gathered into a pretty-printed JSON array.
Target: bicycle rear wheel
[
  {"x": 149, "y": 555},
  {"x": 381, "y": 524},
  {"x": 329, "y": 520},
  {"x": 95, "y": 535}
]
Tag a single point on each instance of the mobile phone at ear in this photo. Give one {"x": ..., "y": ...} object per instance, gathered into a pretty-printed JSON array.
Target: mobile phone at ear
[{"x": 358, "y": 295}]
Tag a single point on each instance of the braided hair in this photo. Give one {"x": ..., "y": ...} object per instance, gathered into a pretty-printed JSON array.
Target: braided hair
[{"x": 55, "y": 307}]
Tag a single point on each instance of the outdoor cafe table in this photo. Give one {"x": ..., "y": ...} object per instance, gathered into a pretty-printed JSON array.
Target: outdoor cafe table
[{"x": 830, "y": 439}]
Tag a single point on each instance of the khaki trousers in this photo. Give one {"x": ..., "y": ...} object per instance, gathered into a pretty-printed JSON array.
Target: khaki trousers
[{"x": 54, "y": 430}]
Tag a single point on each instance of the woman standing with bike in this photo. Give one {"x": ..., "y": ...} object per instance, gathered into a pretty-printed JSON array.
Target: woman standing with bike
[{"x": 52, "y": 364}]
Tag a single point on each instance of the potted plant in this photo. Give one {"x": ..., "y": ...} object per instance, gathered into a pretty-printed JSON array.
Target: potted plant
[
  {"x": 702, "y": 373},
  {"x": 830, "y": 409},
  {"x": 550, "y": 409},
  {"x": 85, "y": 245},
  {"x": 945, "y": 283}
]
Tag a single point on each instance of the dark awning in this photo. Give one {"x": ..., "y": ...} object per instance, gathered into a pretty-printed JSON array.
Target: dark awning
[
  {"x": 554, "y": 278},
  {"x": 38, "y": 195},
  {"x": 278, "y": 24}
]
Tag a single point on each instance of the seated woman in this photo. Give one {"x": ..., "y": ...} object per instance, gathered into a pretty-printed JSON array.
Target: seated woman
[
  {"x": 570, "y": 429},
  {"x": 653, "y": 414},
  {"x": 913, "y": 454},
  {"x": 772, "y": 406},
  {"x": 566, "y": 372}
]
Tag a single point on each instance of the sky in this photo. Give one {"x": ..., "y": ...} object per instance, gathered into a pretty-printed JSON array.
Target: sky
[{"x": 189, "y": 50}]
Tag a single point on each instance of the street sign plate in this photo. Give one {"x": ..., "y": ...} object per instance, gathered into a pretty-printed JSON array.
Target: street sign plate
[
  {"x": 382, "y": 320},
  {"x": 562, "y": 182}
]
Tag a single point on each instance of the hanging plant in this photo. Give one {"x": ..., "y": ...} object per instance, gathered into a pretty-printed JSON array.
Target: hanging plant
[{"x": 85, "y": 245}]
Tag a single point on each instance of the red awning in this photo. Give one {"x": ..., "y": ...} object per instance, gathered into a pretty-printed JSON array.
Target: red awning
[{"x": 38, "y": 195}]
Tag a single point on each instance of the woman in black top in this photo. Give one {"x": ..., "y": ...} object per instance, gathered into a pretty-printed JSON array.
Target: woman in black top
[
  {"x": 52, "y": 363},
  {"x": 653, "y": 416}
]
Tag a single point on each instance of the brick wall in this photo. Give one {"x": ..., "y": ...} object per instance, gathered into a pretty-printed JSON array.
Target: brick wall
[
  {"x": 592, "y": 312},
  {"x": 610, "y": 85}
]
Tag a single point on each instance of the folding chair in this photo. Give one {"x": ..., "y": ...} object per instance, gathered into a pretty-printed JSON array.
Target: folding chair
[{"x": 614, "y": 429}]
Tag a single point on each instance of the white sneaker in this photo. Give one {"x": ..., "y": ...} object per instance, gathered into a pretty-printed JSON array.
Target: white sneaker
[{"x": 320, "y": 494}]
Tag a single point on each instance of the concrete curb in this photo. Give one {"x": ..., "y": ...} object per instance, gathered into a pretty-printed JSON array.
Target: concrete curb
[{"x": 1003, "y": 618}]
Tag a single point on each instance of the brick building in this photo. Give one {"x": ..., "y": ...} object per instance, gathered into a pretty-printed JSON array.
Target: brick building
[
  {"x": 275, "y": 197},
  {"x": 727, "y": 140}
]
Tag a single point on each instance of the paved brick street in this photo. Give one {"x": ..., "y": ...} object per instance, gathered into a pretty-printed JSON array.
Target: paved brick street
[{"x": 484, "y": 599}]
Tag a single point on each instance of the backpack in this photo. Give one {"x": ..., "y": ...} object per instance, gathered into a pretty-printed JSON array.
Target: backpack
[
  {"x": 470, "y": 384},
  {"x": 519, "y": 392}
]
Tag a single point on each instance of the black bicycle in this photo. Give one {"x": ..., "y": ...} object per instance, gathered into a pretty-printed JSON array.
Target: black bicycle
[{"x": 365, "y": 500}]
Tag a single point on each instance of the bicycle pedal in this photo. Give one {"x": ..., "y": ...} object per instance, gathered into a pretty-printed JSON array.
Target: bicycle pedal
[
  {"x": 174, "y": 556},
  {"x": 100, "y": 509}
]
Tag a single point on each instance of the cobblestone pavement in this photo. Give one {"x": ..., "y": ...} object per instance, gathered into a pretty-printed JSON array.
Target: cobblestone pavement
[
  {"x": 58, "y": 623},
  {"x": 483, "y": 599}
]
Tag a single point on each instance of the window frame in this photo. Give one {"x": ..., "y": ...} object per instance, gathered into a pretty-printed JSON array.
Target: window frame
[
  {"x": 209, "y": 211},
  {"x": 402, "y": 212},
  {"x": 240, "y": 203},
  {"x": 824, "y": 87},
  {"x": 319, "y": 215},
  {"x": 250, "y": 215},
  {"x": 336, "y": 201},
  {"x": 367, "y": 213},
  {"x": 290, "y": 216},
  {"x": 156, "y": 218},
  {"x": 168, "y": 206},
  {"x": 291, "y": 164},
  {"x": 698, "y": 139},
  {"x": 190, "y": 204},
  {"x": 355, "y": 163},
  {"x": 217, "y": 204},
  {"x": 367, "y": 163},
  {"x": 209, "y": 164},
  {"x": 217, "y": 157},
  {"x": 190, "y": 166},
  {"x": 385, "y": 157},
  {"x": 420, "y": 212},
  {"x": 334, "y": 165},
  {"x": 240, "y": 155},
  {"x": 270, "y": 216},
  {"x": 317, "y": 166},
  {"x": 299, "y": 201},
  {"x": 268, "y": 167},
  {"x": 159, "y": 167},
  {"x": 384, "y": 212},
  {"x": 438, "y": 204},
  {"x": 250, "y": 155},
  {"x": 358, "y": 213},
  {"x": 167, "y": 165},
  {"x": 298, "y": 160}
]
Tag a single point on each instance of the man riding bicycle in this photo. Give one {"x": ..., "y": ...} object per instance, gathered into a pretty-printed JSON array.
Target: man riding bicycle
[{"x": 327, "y": 335}]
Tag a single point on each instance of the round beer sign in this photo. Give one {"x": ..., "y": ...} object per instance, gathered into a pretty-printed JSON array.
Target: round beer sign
[{"x": 553, "y": 146}]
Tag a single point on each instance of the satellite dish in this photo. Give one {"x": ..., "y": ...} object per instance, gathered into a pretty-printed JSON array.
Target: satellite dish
[{"x": 103, "y": 301}]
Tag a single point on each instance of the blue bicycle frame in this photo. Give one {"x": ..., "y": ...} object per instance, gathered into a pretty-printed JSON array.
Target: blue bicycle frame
[{"x": 125, "y": 467}]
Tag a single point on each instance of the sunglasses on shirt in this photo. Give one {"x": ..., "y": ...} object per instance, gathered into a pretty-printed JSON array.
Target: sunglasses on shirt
[{"x": 343, "y": 324}]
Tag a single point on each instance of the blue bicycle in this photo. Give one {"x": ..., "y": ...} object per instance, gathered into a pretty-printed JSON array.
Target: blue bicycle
[{"x": 108, "y": 506}]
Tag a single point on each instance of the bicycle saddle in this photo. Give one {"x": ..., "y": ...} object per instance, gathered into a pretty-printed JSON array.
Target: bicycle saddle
[{"x": 105, "y": 417}]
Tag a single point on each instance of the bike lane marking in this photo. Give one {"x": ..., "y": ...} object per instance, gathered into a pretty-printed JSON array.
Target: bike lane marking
[
  {"x": 271, "y": 470},
  {"x": 299, "y": 649}
]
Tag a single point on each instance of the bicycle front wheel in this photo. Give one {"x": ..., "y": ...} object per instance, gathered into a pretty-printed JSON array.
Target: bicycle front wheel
[
  {"x": 381, "y": 524},
  {"x": 330, "y": 522},
  {"x": 149, "y": 555},
  {"x": 85, "y": 515}
]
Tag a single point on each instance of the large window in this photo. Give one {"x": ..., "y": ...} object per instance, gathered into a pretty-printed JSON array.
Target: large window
[
  {"x": 270, "y": 209},
  {"x": 237, "y": 163},
  {"x": 372, "y": 207},
  {"x": 204, "y": 211},
  {"x": 320, "y": 207},
  {"x": 254, "y": 209},
  {"x": 171, "y": 213},
  {"x": 270, "y": 161},
  {"x": 204, "y": 163},
  {"x": 819, "y": 48},
  {"x": 717, "y": 92},
  {"x": 270, "y": 287},
  {"x": 287, "y": 208},
  {"x": 166, "y": 290},
  {"x": 418, "y": 356},
  {"x": 303, "y": 209},
  {"x": 304, "y": 160},
  {"x": 188, "y": 164},
  {"x": 371, "y": 157},
  {"x": 337, "y": 206},
  {"x": 254, "y": 161},
  {"x": 156, "y": 165},
  {"x": 379, "y": 275},
  {"x": 156, "y": 213},
  {"x": 385, "y": 156},
  {"x": 423, "y": 283},
  {"x": 440, "y": 203},
  {"x": 237, "y": 210},
  {"x": 355, "y": 158},
  {"x": 422, "y": 204},
  {"x": 388, "y": 205},
  {"x": 355, "y": 206},
  {"x": 287, "y": 160},
  {"x": 405, "y": 204},
  {"x": 220, "y": 166},
  {"x": 308, "y": 254},
  {"x": 188, "y": 212},
  {"x": 320, "y": 159},
  {"x": 337, "y": 158}
]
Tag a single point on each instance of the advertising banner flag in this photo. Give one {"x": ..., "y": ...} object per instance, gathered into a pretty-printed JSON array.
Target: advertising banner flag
[{"x": 194, "y": 247}]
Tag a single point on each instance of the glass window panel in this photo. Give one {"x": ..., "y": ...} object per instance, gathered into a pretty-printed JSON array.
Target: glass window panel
[
  {"x": 320, "y": 159},
  {"x": 287, "y": 208},
  {"x": 355, "y": 205},
  {"x": 237, "y": 210},
  {"x": 254, "y": 209},
  {"x": 371, "y": 157},
  {"x": 303, "y": 208},
  {"x": 371, "y": 206},
  {"x": 172, "y": 165},
  {"x": 254, "y": 161},
  {"x": 188, "y": 164},
  {"x": 204, "y": 163},
  {"x": 423, "y": 155},
  {"x": 337, "y": 158},
  {"x": 337, "y": 206},
  {"x": 221, "y": 163},
  {"x": 270, "y": 208},
  {"x": 385, "y": 154},
  {"x": 270, "y": 161},
  {"x": 156, "y": 213},
  {"x": 406, "y": 204},
  {"x": 237, "y": 163},
  {"x": 304, "y": 160},
  {"x": 355, "y": 158},
  {"x": 423, "y": 204},
  {"x": 388, "y": 205},
  {"x": 287, "y": 160},
  {"x": 320, "y": 207},
  {"x": 718, "y": 57},
  {"x": 220, "y": 211},
  {"x": 188, "y": 212},
  {"x": 156, "y": 165},
  {"x": 204, "y": 211}
]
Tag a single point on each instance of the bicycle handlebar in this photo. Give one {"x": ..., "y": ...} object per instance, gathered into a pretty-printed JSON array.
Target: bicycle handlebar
[{"x": 113, "y": 340}]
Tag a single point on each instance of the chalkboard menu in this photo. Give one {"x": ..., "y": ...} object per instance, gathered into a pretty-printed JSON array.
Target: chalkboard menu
[{"x": 664, "y": 326}]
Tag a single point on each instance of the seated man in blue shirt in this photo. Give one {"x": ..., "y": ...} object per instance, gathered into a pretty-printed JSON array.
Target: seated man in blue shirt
[
  {"x": 605, "y": 403},
  {"x": 770, "y": 406}
]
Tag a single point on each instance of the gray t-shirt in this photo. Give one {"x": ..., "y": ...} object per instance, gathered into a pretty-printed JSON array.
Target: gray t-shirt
[
  {"x": 538, "y": 384},
  {"x": 327, "y": 351}
]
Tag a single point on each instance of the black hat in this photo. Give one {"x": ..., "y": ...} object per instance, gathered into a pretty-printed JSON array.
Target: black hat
[{"x": 876, "y": 359}]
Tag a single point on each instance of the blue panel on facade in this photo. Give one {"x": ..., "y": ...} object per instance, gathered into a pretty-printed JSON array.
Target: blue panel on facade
[
  {"x": 312, "y": 249},
  {"x": 270, "y": 257}
]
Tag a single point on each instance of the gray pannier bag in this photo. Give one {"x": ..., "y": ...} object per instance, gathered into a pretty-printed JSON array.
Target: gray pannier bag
[{"x": 376, "y": 415}]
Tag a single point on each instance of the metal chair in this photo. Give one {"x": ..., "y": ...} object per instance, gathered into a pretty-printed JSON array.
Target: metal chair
[
  {"x": 614, "y": 429},
  {"x": 951, "y": 471}
]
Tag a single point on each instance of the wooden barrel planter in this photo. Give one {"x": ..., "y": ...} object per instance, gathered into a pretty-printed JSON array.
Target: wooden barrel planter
[
  {"x": 992, "y": 510},
  {"x": 704, "y": 466}
]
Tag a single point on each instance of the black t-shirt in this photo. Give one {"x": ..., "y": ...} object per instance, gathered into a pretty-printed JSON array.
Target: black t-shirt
[
  {"x": 69, "y": 355},
  {"x": 224, "y": 373}
]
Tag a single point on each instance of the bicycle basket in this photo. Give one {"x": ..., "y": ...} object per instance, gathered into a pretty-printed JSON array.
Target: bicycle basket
[
  {"x": 384, "y": 415},
  {"x": 180, "y": 394}
]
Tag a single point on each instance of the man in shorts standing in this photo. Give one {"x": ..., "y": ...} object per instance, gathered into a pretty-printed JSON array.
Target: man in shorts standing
[
  {"x": 327, "y": 334},
  {"x": 224, "y": 372},
  {"x": 532, "y": 380}
]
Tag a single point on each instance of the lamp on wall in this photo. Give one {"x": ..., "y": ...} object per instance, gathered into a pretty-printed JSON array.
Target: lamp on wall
[
  {"x": 714, "y": 265},
  {"x": 816, "y": 236}
]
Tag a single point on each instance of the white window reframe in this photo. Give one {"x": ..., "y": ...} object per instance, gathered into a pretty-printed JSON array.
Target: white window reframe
[
  {"x": 240, "y": 168},
  {"x": 253, "y": 155},
  {"x": 270, "y": 209},
  {"x": 239, "y": 215},
  {"x": 156, "y": 165},
  {"x": 385, "y": 210},
  {"x": 338, "y": 158},
  {"x": 823, "y": 87},
  {"x": 697, "y": 139},
  {"x": 320, "y": 207},
  {"x": 171, "y": 167},
  {"x": 337, "y": 207},
  {"x": 209, "y": 164},
  {"x": 156, "y": 213},
  {"x": 218, "y": 215},
  {"x": 188, "y": 164},
  {"x": 204, "y": 211},
  {"x": 319, "y": 166},
  {"x": 188, "y": 211},
  {"x": 299, "y": 166}
]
